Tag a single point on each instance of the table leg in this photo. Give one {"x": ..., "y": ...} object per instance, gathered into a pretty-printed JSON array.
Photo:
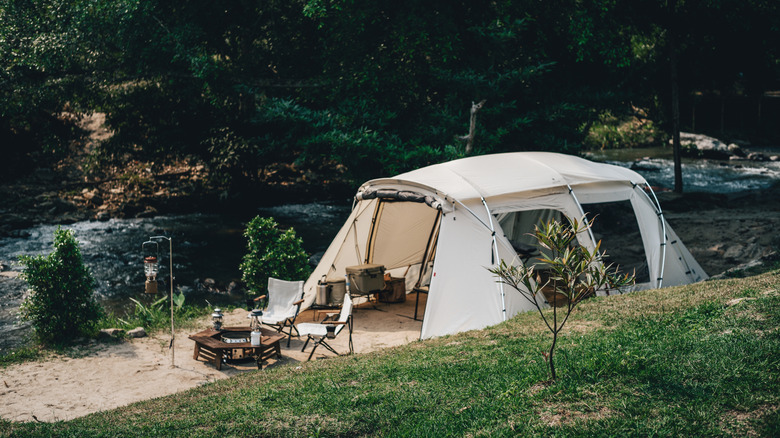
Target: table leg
[{"x": 197, "y": 351}]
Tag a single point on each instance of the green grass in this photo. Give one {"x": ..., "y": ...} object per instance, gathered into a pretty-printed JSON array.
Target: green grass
[
  {"x": 685, "y": 361},
  {"x": 158, "y": 317},
  {"x": 22, "y": 354}
]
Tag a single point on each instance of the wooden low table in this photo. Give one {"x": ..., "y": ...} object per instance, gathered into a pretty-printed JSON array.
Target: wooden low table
[{"x": 210, "y": 347}]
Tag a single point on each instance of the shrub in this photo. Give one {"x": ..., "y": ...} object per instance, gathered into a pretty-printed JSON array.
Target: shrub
[
  {"x": 575, "y": 272},
  {"x": 60, "y": 304},
  {"x": 272, "y": 253}
]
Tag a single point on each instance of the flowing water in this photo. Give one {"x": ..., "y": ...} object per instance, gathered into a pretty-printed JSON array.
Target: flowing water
[
  {"x": 211, "y": 246},
  {"x": 207, "y": 250},
  {"x": 656, "y": 165}
]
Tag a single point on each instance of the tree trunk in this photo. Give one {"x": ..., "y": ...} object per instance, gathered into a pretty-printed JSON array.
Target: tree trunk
[
  {"x": 475, "y": 107},
  {"x": 678, "y": 182},
  {"x": 550, "y": 357}
]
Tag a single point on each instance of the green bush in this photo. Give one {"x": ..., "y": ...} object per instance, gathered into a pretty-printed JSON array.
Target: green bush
[
  {"x": 272, "y": 253},
  {"x": 60, "y": 304},
  {"x": 613, "y": 131}
]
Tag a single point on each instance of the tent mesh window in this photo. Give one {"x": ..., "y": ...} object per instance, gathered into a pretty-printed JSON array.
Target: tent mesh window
[{"x": 616, "y": 226}]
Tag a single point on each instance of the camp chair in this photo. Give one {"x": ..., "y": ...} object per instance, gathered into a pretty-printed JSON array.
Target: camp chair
[
  {"x": 284, "y": 303},
  {"x": 319, "y": 332},
  {"x": 422, "y": 286}
]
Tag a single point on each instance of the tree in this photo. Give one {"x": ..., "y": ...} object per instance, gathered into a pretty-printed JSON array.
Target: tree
[
  {"x": 666, "y": 50},
  {"x": 60, "y": 305},
  {"x": 573, "y": 272},
  {"x": 272, "y": 252}
]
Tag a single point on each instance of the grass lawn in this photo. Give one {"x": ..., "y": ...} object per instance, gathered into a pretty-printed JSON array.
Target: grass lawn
[{"x": 699, "y": 360}]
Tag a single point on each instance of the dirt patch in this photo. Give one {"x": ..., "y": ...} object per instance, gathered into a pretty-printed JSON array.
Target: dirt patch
[
  {"x": 562, "y": 414},
  {"x": 742, "y": 423},
  {"x": 582, "y": 326}
]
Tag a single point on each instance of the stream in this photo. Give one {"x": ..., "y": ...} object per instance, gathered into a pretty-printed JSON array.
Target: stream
[
  {"x": 699, "y": 175},
  {"x": 207, "y": 248}
]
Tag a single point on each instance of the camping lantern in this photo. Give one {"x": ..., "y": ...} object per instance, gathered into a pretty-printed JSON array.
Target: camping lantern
[
  {"x": 216, "y": 319},
  {"x": 255, "y": 321},
  {"x": 151, "y": 268}
]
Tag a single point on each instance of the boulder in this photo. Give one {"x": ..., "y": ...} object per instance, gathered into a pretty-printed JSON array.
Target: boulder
[
  {"x": 705, "y": 146},
  {"x": 234, "y": 287},
  {"x": 111, "y": 333},
  {"x": 757, "y": 156},
  {"x": 137, "y": 332},
  {"x": 736, "y": 150}
]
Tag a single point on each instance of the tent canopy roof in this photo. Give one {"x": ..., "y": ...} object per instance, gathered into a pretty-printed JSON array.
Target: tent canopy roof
[{"x": 494, "y": 175}]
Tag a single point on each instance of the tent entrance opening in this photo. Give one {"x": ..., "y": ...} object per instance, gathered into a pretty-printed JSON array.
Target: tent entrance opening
[{"x": 403, "y": 240}]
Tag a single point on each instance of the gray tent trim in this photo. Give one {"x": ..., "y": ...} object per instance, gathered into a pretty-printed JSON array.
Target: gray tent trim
[{"x": 399, "y": 195}]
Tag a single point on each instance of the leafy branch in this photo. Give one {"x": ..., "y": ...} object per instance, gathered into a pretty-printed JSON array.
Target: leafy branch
[{"x": 565, "y": 274}]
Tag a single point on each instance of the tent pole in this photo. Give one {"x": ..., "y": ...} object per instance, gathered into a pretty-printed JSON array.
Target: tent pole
[
  {"x": 369, "y": 246},
  {"x": 495, "y": 252},
  {"x": 582, "y": 213},
  {"x": 427, "y": 255},
  {"x": 662, "y": 220},
  {"x": 353, "y": 228}
]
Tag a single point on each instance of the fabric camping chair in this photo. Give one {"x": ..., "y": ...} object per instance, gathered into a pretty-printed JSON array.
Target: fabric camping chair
[
  {"x": 319, "y": 332},
  {"x": 284, "y": 303}
]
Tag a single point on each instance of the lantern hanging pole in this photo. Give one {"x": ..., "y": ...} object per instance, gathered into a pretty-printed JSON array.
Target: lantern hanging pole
[{"x": 170, "y": 265}]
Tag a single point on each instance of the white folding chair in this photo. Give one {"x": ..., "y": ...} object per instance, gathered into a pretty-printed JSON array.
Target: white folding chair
[
  {"x": 319, "y": 333},
  {"x": 284, "y": 303}
]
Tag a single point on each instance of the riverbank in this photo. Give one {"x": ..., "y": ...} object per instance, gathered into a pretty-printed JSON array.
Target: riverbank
[
  {"x": 72, "y": 190},
  {"x": 724, "y": 231}
]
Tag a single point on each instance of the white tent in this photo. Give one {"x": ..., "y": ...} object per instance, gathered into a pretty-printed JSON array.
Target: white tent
[{"x": 442, "y": 226}]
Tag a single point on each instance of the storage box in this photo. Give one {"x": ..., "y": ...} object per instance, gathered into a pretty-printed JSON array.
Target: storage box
[
  {"x": 394, "y": 291},
  {"x": 366, "y": 279}
]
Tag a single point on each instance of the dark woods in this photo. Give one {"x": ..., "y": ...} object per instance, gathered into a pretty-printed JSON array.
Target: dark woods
[{"x": 364, "y": 89}]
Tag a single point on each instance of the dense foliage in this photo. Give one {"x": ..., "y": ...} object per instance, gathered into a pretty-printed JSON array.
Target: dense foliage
[
  {"x": 60, "y": 305},
  {"x": 272, "y": 252},
  {"x": 378, "y": 86}
]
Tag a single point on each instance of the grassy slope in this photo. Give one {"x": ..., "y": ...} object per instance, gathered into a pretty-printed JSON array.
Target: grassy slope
[{"x": 672, "y": 362}]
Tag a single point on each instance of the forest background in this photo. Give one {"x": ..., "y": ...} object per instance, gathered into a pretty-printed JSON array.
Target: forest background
[{"x": 328, "y": 93}]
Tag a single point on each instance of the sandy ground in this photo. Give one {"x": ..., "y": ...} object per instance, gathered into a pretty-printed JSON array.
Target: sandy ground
[{"x": 109, "y": 376}]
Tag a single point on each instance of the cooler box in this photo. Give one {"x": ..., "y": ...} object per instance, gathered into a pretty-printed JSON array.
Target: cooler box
[{"x": 366, "y": 279}]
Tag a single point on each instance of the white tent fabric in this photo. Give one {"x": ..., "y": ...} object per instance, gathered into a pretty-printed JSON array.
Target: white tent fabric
[{"x": 457, "y": 229}]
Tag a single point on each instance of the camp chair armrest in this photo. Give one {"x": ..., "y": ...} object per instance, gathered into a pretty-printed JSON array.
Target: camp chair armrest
[
  {"x": 261, "y": 297},
  {"x": 298, "y": 302},
  {"x": 334, "y": 322}
]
